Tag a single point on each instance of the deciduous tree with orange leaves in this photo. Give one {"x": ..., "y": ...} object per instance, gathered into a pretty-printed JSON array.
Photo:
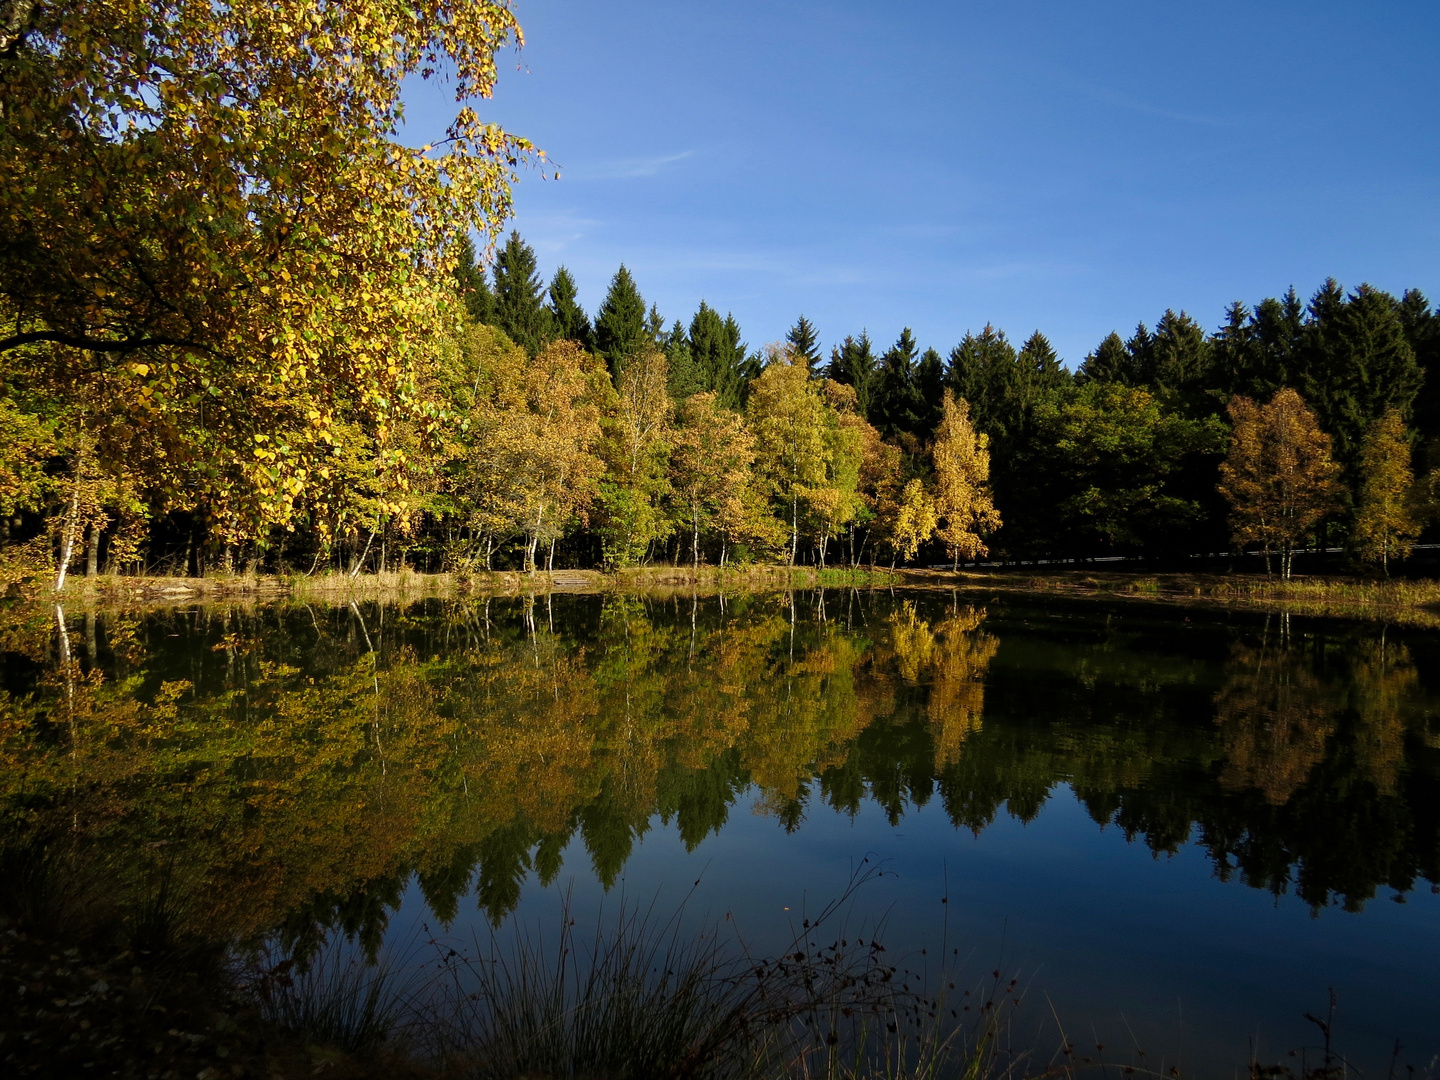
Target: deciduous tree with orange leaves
[{"x": 1279, "y": 476}]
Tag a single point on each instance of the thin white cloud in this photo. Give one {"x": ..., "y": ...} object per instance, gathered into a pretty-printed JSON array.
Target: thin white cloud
[
  {"x": 627, "y": 168},
  {"x": 1117, "y": 100}
]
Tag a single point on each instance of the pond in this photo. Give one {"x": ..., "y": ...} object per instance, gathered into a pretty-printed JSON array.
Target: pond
[{"x": 1181, "y": 830}]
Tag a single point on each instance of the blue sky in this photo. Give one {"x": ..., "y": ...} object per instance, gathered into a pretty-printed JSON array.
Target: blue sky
[{"x": 1072, "y": 167}]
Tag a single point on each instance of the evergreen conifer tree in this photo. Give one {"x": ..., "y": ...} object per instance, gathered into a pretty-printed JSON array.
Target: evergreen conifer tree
[
  {"x": 686, "y": 377},
  {"x": 1235, "y": 352},
  {"x": 1141, "y": 350},
  {"x": 853, "y": 363},
  {"x": 655, "y": 327},
  {"x": 1181, "y": 362},
  {"x": 569, "y": 318},
  {"x": 1279, "y": 333},
  {"x": 803, "y": 342},
  {"x": 520, "y": 296},
  {"x": 982, "y": 372},
  {"x": 1422, "y": 331},
  {"x": 1359, "y": 365},
  {"x": 719, "y": 356},
  {"x": 474, "y": 288},
  {"x": 620, "y": 330},
  {"x": 1109, "y": 363},
  {"x": 897, "y": 399},
  {"x": 929, "y": 392},
  {"x": 1041, "y": 364}
]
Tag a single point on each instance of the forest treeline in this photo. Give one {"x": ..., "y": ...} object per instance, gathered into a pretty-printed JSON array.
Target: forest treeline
[{"x": 537, "y": 436}]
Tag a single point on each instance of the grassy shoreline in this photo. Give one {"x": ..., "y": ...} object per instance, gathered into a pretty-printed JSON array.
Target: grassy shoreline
[
  {"x": 408, "y": 584},
  {"x": 1414, "y": 602}
]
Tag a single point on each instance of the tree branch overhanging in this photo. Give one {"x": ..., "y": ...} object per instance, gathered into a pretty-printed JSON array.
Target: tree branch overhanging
[{"x": 88, "y": 344}]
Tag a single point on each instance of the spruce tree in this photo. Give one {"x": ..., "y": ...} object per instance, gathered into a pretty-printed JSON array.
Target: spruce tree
[
  {"x": 569, "y": 318},
  {"x": 1109, "y": 363},
  {"x": 620, "y": 331},
  {"x": 474, "y": 288},
  {"x": 1181, "y": 363},
  {"x": 1235, "y": 352},
  {"x": 803, "y": 341},
  {"x": 1141, "y": 351},
  {"x": 685, "y": 375},
  {"x": 930, "y": 392},
  {"x": 1040, "y": 364},
  {"x": 719, "y": 356},
  {"x": 520, "y": 297},
  {"x": 897, "y": 399},
  {"x": 1359, "y": 365},
  {"x": 655, "y": 327},
  {"x": 982, "y": 372},
  {"x": 853, "y": 363},
  {"x": 1422, "y": 331},
  {"x": 1279, "y": 341}
]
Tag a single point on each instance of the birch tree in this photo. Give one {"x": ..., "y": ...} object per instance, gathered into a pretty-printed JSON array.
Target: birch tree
[
  {"x": 1279, "y": 476},
  {"x": 1386, "y": 524},
  {"x": 963, "y": 500},
  {"x": 787, "y": 418},
  {"x": 636, "y": 450},
  {"x": 710, "y": 461}
]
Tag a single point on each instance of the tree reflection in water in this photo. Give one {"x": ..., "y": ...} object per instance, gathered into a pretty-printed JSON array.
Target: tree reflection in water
[{"x": 293, "y": 767}]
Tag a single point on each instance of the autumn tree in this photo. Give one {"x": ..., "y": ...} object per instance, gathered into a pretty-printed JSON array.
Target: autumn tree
[
  {"x": 1385, "y": 521},
  {"x": 879, "y": 487},
  {"x": 710, "y": 466},
  {"x": 487, "y": 447},
  {"x": 787, "y": 417},
  {"x": 835, "y": 502},
  {"x": 208, "y": 208},
  {"x": 1279, "y": 477},
  {"x": 962, "y": 483},
  {"x": 915, "y": 521},
  {"x": 636, "y": 449},
  {"x": 560, "y": 433}
]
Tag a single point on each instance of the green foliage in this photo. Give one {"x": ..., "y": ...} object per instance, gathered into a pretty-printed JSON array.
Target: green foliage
[
  {"x": 853, "y": 363},
  {"x": 567, "y": 317},
  {"x": 804, "y": 343},
  {"x": 718, "y": 357},
  {"x": 520, "y": 308},
  {"x": 1110, "y": 452},
  {"x": 620, "y": 330},
  {"x": 1360, "y": 365},
  {"x": 473, "y": 285},
  {"x": 896, "y": 405}
]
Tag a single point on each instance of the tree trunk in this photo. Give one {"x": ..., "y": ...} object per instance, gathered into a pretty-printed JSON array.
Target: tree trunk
[
  {"x": 72, "y": 524},
  {"x": 360, "y": 562},
  {"x": 92, "y": 552},
  {"x": 794, "y": 528},
  {"x": 695, "y": 539}
]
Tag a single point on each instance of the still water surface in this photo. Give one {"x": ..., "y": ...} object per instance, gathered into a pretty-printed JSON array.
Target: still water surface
[{"x": 1179, "y": 829}]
